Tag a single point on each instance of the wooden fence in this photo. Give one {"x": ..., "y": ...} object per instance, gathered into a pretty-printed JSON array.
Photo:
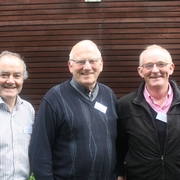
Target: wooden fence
[{"x": 43, "y": 32}]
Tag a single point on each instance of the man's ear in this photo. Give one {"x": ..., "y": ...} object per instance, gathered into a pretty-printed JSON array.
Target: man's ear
[
  {"x": 101, "y": 64},
  {"x": 70, "y": 66},
  {"x": 171, "y": 67},
  {"x": 140, "y": 71}
]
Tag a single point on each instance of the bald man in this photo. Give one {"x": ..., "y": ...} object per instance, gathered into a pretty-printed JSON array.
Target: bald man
[
  {"x": 75, "y": 131},
  {"x": 16, "y": 119}
]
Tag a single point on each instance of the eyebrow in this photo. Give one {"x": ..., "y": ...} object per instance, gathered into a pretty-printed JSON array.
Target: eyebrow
[{"x": 4, "y": 71}]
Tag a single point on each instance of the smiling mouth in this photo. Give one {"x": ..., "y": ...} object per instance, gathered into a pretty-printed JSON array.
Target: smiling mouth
[
  {"x": 85, "y": 74},
  {"x": 155, "y": 77},
  {"x": 9, "y": 87}
]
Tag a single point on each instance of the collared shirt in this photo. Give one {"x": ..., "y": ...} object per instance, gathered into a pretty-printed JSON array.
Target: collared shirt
[
  {"x": 15, "y": 134},
  {"x": 165, "y": 106},
  {"x": 84, "y": 91}
]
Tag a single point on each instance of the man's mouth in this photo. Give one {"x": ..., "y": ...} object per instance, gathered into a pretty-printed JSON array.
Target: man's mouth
[
  {"x": 155, "y": 77},
  {"x": 9, "y": 87}
]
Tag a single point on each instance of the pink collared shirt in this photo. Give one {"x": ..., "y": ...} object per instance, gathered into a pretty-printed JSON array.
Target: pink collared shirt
[{"x": 165, "y": 106}]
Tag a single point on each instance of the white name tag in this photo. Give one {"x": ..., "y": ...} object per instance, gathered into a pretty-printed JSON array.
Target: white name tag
[
  {"x": 100, "y": 107},
  {"x": 162, "y": 117},
  {"x": 27, "y": 129}
]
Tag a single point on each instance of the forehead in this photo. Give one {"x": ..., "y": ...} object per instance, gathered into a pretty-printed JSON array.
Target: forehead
[
  {"x": 84, "y": 51},
  {"x": 9, "y": 62},
  {"x": 155, "y": 55}
]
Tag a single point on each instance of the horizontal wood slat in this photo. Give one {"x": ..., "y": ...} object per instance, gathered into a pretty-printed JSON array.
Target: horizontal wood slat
[{"x": 44, "y": 31}]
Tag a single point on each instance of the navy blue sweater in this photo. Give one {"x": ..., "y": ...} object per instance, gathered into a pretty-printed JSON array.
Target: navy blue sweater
[{"x": 72, "y": 140}]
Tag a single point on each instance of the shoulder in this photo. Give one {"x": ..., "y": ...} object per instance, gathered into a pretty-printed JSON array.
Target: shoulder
[
  {"x": 26, "y": 108},
  {"x": 127, "y": 98},
  {"x": 107, "y": 92},
  {"x": 25, "y": 103},
  {"x": 57, "y": 94},
  {"x": 174, "y": 84},
  {"x": 64, "y": 86},
  {"x": 136, "y": 95},
  {"x": 104, "y": 87}
]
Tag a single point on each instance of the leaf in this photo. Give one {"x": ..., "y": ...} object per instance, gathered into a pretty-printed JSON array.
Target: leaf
[{"x": 32, "y": 177}]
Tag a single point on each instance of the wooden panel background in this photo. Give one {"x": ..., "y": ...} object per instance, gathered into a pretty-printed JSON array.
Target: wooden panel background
[{"x": 43, "y": 32}]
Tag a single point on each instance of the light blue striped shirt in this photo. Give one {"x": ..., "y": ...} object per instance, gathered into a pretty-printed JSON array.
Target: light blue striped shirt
[{"x": 15, "y": 134}]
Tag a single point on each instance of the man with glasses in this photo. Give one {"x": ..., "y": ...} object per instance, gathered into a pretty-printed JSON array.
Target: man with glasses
[
  {"x": 149, "y": 122},
  {"x": 75, "y": 131}
]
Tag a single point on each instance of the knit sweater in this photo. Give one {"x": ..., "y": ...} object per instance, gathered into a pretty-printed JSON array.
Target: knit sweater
[{"x": 74, "y": 138}]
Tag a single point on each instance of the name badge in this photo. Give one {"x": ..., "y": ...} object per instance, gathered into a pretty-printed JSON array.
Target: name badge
[
  {"x": 100, "y": 107},
  {"x": 162, "y": 117},
  {"x": 27, "y": 129}
]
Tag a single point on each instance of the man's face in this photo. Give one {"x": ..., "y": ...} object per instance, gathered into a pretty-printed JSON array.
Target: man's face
[
  {"x": 11, "y": 77},
  {"x": 157, "y": 76},
  {"x": 86, "y": 73}
]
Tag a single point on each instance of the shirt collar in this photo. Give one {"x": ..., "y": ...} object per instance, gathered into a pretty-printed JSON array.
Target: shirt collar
[
  {"x": 84, "y": 90},
  {"x": 19, "y": 101},
  {"x": 147, "y": 95}
]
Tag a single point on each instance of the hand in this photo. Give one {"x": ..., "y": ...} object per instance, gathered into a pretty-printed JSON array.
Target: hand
[{"x": 121, "y": 178}]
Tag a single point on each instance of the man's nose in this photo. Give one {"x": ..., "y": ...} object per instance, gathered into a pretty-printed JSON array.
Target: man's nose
[
  {"x": 87, "y": 65},
  {"x": 155, "y": 68},
  {"x": 10, "y": 79}
]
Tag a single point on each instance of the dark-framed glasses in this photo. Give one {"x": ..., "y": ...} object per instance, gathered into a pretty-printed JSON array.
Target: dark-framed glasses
[
  {"x": 158, "y": 65},
  {"x": 83, "y": 62}
]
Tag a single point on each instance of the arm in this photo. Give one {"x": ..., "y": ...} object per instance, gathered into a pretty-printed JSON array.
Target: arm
[
  {"x": 121, "y": 143},
  {"x": 41, "y": 143}
]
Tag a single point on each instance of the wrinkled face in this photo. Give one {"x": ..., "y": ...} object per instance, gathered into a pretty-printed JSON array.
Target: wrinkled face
[
  {"x": 86, "y": 65},
  {"x": 156, "y": 75},
  {"x": 11, "y": 77}
]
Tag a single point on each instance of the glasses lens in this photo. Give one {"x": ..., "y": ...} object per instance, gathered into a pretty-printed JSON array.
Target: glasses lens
[
  {"x": 149, "y": 65},
  {"x": 160, "y": 64},
  {"x": 82, "y": 62},
  {"x": 92, "y": 61}
]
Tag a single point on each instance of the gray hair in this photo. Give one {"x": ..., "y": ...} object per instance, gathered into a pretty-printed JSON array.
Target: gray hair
[
  {"x": 25, "y": 73},
  {"x": 154, "y": 46}
]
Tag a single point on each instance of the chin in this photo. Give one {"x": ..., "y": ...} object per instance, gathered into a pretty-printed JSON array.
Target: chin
[
  {"x": 11, "y": 95},
  {"x": 156, "y": 82},
  {"x": 87, "y": 81},
  {"x": 157, "y": 85}
]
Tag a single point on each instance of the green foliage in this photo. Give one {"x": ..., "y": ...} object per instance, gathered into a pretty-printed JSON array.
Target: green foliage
[{"x": 32, "y": 177}]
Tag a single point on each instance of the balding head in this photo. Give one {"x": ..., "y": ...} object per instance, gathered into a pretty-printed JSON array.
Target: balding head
[
  {"x": 85, "y": 63},
  {"x": 85, "y": 46}
]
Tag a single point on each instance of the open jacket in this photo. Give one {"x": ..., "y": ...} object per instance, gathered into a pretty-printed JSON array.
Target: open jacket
[{"x": 138, "y": 149}]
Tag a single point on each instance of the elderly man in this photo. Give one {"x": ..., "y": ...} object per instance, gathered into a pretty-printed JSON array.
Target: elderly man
[
  {"x": 16, "y": 119},
  {"x": 75, "y": 130},
  {"x": 149, "y": 121}
]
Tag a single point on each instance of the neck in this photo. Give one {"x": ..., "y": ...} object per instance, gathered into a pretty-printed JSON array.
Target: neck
[
  {"x": 10, "y": 103},
  {"x": 158, "y": 94},
  {"x": 91, "y": 87}
]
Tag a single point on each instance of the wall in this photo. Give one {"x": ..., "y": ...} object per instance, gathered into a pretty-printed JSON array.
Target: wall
[{"x": 43, "y": 32}]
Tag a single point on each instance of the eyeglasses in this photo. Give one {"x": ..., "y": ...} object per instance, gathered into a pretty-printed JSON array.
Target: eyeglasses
[
  {"x": 158, "y": 65},
  {"x": 83, "y": 62}
]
